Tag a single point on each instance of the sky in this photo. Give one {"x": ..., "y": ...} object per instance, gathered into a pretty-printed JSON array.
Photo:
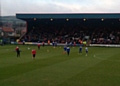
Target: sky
[{"x": 11, "y": 7}]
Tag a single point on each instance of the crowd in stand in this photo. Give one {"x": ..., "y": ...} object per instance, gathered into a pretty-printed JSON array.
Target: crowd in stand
[
  {"x": 105, "y": 36},
  {"x": 63, "y": 33}
]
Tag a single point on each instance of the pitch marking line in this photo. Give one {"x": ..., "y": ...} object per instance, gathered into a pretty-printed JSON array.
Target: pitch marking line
[{"x": 96, "y": 56}]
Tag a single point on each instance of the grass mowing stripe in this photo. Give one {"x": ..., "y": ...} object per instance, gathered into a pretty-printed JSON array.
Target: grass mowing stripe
[
  {"x": 32, "y": 65},
  {"x": 63, "y": 70},
  {"x": 105, "y": 73},
  {"x": 55, "y": 68},
  {"x": 57, "y": 73}
]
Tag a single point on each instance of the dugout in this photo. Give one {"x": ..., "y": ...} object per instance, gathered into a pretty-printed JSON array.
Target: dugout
[{"x": 90, "y": 20}]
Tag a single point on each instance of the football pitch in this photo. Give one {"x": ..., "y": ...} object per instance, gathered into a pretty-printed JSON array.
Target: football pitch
[{"x": 101, "y": 67}]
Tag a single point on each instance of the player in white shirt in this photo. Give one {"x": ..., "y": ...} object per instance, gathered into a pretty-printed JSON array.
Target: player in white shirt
[
  {"x": 86, "y": 50},
  {"x": 68, "y": 50}
]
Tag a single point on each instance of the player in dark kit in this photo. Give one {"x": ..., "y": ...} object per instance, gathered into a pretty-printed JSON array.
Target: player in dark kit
[
  {"x": 18, "y": 53},
  {"x": 68, "y": 50},
  {"x": 65, "y": 48},
  {"x": 80, "y": 49}
]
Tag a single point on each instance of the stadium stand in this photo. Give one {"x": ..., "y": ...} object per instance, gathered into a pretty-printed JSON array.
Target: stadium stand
[
  {"x": 97, "y": 35},
  {"x": 99, "y": 31}
]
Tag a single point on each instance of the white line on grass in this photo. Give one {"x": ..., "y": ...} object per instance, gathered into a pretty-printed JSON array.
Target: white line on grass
[{"x": 97, "y": 57}]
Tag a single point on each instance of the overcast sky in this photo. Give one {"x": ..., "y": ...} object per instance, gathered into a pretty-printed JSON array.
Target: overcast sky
[{"x": 11, "y": 7}]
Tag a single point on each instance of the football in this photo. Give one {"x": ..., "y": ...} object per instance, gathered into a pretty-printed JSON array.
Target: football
[{"x": 28, "y": 48}]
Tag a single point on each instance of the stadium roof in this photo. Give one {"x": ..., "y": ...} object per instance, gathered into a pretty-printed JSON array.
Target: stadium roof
[
  {"x": 86, "y": 19},
  {"x": 69, "y": 16}
]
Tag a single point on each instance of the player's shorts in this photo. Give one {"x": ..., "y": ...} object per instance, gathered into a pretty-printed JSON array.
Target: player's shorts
[
  {"x": 80, "y": 49},
  {"x": 33, "y": 55},
  {"x": 68, "y": 51},
  {"x": 64, "y": 49}
]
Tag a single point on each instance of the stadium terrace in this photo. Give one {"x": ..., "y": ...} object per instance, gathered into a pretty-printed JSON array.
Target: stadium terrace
[{"x": 96, "y": 28}]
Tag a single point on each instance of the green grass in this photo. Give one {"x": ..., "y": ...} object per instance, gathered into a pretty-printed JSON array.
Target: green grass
[{"x": 100, "y": 68}]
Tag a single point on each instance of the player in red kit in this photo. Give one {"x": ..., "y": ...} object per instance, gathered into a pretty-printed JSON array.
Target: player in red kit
[
  {"x": 17, "y": 48},
  {"x": 33, "y": 53},
  {"x": 43, "y": 43},
  {"x": 74, "y": 43},
  {"x": 18, "y": 51},
  {"x": 38, "y": 45}
]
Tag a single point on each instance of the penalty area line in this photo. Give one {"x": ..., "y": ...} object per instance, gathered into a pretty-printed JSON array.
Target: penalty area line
[{"x": 95, "y": 56}]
